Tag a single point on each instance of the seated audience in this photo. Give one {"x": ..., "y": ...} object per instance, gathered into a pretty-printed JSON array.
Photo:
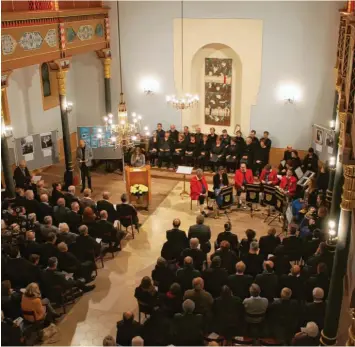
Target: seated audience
[
  {"x": 198, "y": 256},
  {"x": 10, "y": 301},
  {"x": 49, "y": 249},
  {"x": 32, "y": 302},
  {"x": 162, "y": 275},
  {"x": 60, "y": 211},
  {"x": 281, "y": 261},
  {"x": 74, "y": 218},
  {"x": 294, "y": 281},
  {"x": 31, "y": 205},
  {"x": 245, "y": 242},
  {"x": 65, "y": 235},
  {"x": 268, "y": 243},
  {"x": 106, "y": 205},
  {"x": 227, "y": 313},
  {"x": 268, "y": 281},
  {"x": 186, "y": 274},
  {"x": 172, "y": 300},
  {"x": 22, "y": 176},
  {"x": 215, "y": 277},
  {"x": 240, "y": 283},
  {"x": 188, "y": 326},
  {"x": 127, "y": 329},
  {"x": 125, "y": 209},
  {"x": 86, "y": 247},
  {"x": 227, "y": 256},
  {"x": 87, "y": 201},
  {"x": 293, "y": 245},
  {"x": 146, "y": 295},
  {"x": 202, "y": 232},
  {"x": 70, "y": 197},
  {"x": 255, "y": 306},
  {"x": 108, "y": 233},
  {"x": 69, "y": 263},
  {"x": 315, "y": 311},
  {"x": 287, "y": 311},
  {"x": 227, "y": 235},
  {"x": 177, "y": 237},
  {"x": 56, "y": 193},
  {"x": 320, "y": 280},
  {"x": 253, "y": 260},
  {"x": 322, "y": 255},
  {"x": 30, "y": 246},
  {"x": 308, "y": 336},
  {"x": 11, "y": 334},
  {"x": 44, "y": 208}
]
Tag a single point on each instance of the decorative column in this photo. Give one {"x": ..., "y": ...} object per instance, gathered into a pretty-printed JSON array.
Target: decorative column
[
  {"x": 105, "y": 56},
  {"x": 335, "y": 296},
  {"x": 6, "y": 132},
  {"x": 61, "y": 68},
  {"x": 329, "y": 193}
]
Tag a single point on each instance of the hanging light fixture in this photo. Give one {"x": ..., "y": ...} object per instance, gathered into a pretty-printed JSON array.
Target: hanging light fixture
[{"x": 187, "y": 100}]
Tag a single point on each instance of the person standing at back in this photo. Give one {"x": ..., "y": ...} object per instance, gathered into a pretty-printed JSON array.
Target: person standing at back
[{"x": 84, "y": 158}]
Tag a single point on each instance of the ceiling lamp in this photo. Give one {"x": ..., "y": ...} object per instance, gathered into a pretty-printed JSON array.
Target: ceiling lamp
[{"x": 187, "y": 100}]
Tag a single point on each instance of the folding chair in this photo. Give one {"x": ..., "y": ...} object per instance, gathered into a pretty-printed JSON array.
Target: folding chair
[
  {"x": 126, "y": 222},
  {"x": 143, "y": 308}
]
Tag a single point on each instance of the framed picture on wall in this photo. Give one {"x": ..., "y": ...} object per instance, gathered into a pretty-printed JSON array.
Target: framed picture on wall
[{"x": 218, "y": 91}]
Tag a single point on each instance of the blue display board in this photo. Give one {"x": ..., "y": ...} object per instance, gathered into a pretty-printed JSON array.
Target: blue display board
[{"x": 102, "y": 147}]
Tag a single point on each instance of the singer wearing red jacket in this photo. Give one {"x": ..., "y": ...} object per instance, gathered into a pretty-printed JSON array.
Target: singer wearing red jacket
[
  {"x": 242, "y": 177},
  {"x": 199, "y": 189},
  {"x": 289, "y": 183},
  {"x": 269, "y": 176}
]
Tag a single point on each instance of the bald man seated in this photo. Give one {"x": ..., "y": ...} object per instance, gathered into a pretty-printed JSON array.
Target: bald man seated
[{"x": 127, "y": 329}]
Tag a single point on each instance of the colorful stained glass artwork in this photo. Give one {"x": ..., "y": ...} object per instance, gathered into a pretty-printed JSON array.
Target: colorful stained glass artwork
[
  {"x": 70, "y": 34},
  {"x": 51, "y": 38},
  {"x": 8, "y": 44},
  {"x": 31, "y": 40},
  {"x": 99, "y": 30},
  {"x": 85, "y": 32}
]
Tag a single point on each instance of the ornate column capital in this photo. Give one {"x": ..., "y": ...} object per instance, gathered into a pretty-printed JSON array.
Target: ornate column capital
[
  {"x": 61, "y": 67},
  {"x": 348, "y": 197},
  {"x": 105, "y": 56}
]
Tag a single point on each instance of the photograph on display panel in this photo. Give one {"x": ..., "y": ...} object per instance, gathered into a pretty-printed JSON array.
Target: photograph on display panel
[
  {"x": 46, "y": 144},
  {"x": 27, "y": 148},
  {"x": 218, "y": 91}
]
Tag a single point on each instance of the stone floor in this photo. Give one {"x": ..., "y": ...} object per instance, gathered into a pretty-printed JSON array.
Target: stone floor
[{"x": 96, "y": 313}]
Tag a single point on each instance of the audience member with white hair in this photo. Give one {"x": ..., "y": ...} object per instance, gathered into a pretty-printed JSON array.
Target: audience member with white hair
[
  {"x": 31, "y": 204},
  {"x": 60, "y": 212},
  {"x": 65, "y": 235},
  {"x": 268, "y": 281},
  {"x": 188, "y": 326},
  {"x": 308, "y": 336},
  {"x": 315, "y": 311},
  {"x": 109, "y": 341},
  {"x": 45, "y": 209},
  {"x": 253, "y": 260},
  {"x": 255, "y": 306},
  {"x": 127, "y": 329},
  {"x": 70, "y": 196}
]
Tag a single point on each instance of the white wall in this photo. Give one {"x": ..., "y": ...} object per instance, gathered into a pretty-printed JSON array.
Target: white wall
[
  {"x": 85, "y": 89},
  {"x": 299, "y": 46}
]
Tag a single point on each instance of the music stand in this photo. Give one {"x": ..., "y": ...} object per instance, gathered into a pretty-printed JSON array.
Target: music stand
[
  {"x": 280, "y": 200},
  {"x": 227, "y": 196},
  {"x": 185, "y": 170},
  {"x": 252, "y": 195},
  {"x": 269, "y": 198}
]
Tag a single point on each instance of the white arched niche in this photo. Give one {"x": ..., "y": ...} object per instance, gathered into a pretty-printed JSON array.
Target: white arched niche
[
  {"x": 243, "y": 36},
  {"x": 221, "y": 51}
]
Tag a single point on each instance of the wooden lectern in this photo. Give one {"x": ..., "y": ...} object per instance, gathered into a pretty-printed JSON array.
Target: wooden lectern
[{"x": 138, "y": 175}]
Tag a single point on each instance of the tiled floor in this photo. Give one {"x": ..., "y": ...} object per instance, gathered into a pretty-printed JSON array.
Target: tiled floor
[{"x": 96, "y": 313}]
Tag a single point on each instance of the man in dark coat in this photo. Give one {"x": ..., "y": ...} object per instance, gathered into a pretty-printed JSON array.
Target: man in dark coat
[
  {"x": 198, "y": 256},
  {"x": 202, "y": 232},
  {"x": 268, "y": 243},
  {"x": 106, "y": 205},
  {"x": 186, "y": 274},
  {"x": 177, "y": 237},
  {"x": 127, "y": 329},
  {"x": 107, "y": 232},
  {"x": 240, "y": 283},
  {"x": 22, "y": 176},
  {"x": 268, "y": 281},
  {"x": 125, "y": 209},
  {"x": 44, "y": 209}
]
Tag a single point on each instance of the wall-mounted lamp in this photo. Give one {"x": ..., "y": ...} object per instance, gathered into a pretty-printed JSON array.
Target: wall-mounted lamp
[
  {"x": 149, "y": 86},
  {"x": 332, "y": 162},
  {"x": 68, "y": 106},
  {"x": 289, "y": 93},
  {"x": 331, "y": 232},
  {"x": 332, "y": 124}
]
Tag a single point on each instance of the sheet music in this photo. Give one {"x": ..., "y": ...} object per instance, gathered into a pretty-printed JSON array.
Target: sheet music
[
  {"x": 299, "y": 172},
  {"x": 185, "y": 170}
]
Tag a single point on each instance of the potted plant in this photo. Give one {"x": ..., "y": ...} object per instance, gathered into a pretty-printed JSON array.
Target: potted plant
[{"x": 138, "y": 190}]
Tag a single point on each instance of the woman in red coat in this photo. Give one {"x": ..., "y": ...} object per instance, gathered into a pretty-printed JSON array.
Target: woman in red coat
[{"x": 199, "y": 189}]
